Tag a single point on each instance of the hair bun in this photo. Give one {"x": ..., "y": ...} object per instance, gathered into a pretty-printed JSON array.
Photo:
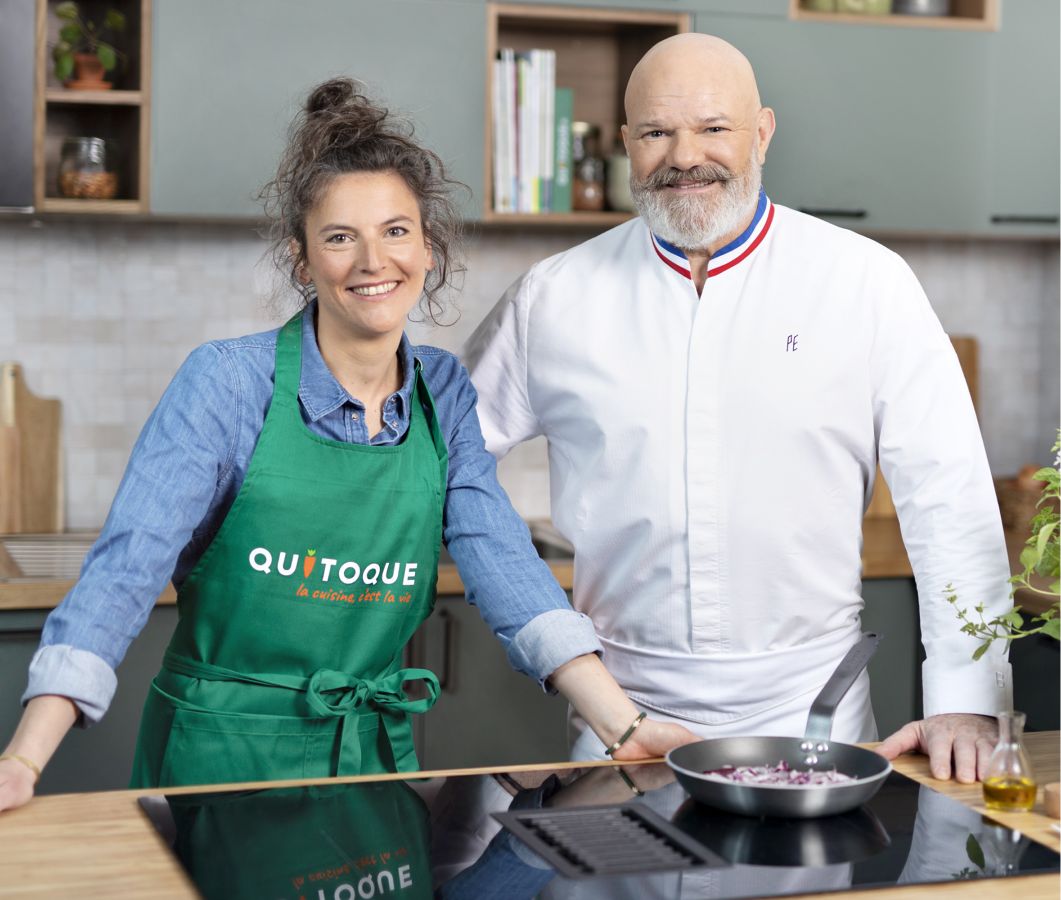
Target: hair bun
[{"x": 332, "y": 96}]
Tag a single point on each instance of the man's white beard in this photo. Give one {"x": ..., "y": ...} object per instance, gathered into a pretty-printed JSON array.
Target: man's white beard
[{"x": 695, "y": 222}]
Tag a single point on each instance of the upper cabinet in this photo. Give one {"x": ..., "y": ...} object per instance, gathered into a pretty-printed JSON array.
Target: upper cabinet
[
  {"x": 1024, "y": 95},
  {"x": 877, "y": 128},
  {"x": 17, "y": 24},
  {"x": 229, "y": 78}
]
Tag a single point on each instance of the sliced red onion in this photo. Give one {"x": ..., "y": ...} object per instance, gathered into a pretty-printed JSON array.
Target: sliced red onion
[{"x": 779, "y": 774}]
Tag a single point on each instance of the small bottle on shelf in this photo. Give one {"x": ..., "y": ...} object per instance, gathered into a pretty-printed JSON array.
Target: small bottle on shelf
[
  {"x": 588, "y": 185},
  {"x": 1010, "y": 782}
]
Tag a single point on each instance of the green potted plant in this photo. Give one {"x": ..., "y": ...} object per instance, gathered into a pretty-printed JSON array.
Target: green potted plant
[
  {"x": 81, "y": 53},
  {"x": 1041, "y": 556}
]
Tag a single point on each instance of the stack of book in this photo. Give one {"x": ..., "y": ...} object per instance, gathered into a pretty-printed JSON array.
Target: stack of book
[{"x": 532, "y": 134}]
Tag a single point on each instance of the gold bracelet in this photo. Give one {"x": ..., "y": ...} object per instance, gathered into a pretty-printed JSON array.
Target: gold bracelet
[
  {"x": 25, "y": 762},
  {"x": 627, "y": 735}
]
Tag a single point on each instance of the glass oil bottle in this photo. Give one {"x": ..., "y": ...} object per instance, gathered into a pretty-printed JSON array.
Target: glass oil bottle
[{"x": 1010, "y": 782}]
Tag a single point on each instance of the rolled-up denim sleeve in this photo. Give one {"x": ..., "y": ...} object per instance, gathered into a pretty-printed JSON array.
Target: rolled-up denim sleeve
[
  {"x": 503, "y": 576},
  {"x": 165, "y": 493},
  {"x": 83, "y": 677}
]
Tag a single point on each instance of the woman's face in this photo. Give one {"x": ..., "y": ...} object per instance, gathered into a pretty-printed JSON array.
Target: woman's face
[{"x": 366, "y": 254}]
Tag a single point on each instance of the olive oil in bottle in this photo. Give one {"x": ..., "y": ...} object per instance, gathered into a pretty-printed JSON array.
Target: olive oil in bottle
[
  {"x": 1010, "y": 782},
  {"x": 1009, "y": 793}
]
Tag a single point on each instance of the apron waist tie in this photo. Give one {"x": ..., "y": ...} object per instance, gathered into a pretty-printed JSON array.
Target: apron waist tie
[{"x": 331, "y": 693}]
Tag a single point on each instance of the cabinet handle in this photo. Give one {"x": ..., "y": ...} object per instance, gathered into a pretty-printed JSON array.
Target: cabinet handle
[
  {"x": 1024, "y": 220},
  {"x": 447, "y": 681},
  {"x": 826, "y": 213},
  {"x": 22, "y": 630}
]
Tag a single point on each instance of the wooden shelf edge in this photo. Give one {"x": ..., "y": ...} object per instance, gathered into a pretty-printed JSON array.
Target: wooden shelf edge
[
  {"x": 570, "y": 219},
  {"x": 108, "y": 207},
  {"x": 957, "y": 23},
  {"x": 592, "y": 14},
  {"x": 99, "y": 98}
]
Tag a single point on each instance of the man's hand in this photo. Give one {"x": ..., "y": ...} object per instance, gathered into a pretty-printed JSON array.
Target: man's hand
[
  {"x": 970, "y": 739},
  {"x": 16, "y": 784}
]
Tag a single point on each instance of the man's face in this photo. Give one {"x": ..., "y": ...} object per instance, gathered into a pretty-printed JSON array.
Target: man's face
[{"x": 695, "y": 139}]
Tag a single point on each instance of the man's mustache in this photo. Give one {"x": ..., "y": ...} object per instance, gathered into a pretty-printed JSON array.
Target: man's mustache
[{"x": 662, "y": 178}]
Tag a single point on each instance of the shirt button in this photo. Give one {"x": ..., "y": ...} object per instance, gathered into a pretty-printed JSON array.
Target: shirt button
[
  {"x": 353, "y": 416},
  {"x": 395, "y": 424}
]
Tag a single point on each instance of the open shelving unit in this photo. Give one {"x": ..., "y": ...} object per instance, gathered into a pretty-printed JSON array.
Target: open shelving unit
[
  {"x": 967, "y": 15},
  {"x": 596, "y": 49},
  {"x": 121, "y": 116}
]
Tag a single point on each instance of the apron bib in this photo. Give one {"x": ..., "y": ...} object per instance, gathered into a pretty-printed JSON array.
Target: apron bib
[{"x": 286, "y": 659}]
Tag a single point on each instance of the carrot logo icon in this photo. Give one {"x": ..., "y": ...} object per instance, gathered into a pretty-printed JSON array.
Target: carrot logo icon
[{"x": 308, "y": 563}]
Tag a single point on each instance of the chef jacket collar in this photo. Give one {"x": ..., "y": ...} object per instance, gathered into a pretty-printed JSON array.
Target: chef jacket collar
[
  {"x": 734, "y": 252},
  {"x": 320, "y": 391}
]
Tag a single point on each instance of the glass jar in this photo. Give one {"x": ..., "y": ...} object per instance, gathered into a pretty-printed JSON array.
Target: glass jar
[
  {"x": 1010, "y": 782},
  {"x": 85, "y": 170},
  {"x": 587, "y": 190}
]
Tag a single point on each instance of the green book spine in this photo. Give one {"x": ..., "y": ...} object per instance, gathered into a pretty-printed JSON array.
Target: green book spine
[{"x": 565, "y": 112}]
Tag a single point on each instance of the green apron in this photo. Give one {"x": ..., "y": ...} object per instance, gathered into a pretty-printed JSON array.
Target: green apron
[
  {"x": 339, "y": 841},
  {"x": 345, "y": 842},
  {"x": 286, "y": 660}
]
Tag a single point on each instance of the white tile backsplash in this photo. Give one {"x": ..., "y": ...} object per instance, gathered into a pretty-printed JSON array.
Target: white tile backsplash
[{"x": 101, "y": 314}]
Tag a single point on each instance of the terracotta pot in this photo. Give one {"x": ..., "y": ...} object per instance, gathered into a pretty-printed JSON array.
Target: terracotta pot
[{"x": 88, "y": 73}]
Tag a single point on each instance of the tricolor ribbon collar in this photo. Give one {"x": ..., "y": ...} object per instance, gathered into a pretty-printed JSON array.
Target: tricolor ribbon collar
[{"x": 734, "y": 252}]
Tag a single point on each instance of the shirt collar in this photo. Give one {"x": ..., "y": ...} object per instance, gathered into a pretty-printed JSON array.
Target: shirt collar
[
  {"x": 734, "y": 252},
  {"x": 320, "y": 391}
]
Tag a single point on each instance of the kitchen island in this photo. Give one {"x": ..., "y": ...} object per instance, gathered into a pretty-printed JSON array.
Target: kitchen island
[{"x": 103, "y": 845}]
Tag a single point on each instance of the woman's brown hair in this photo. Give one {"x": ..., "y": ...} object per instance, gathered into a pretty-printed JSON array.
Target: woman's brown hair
[{"x": 340, "y": 131}]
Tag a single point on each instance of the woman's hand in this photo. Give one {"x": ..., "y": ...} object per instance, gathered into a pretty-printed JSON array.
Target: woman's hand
[
  {"x": 609, "y": 712},
  {"x": 653, "y": 739},
  {"x": 17, "y": 781},
  {"x": 46, "y": 720}
]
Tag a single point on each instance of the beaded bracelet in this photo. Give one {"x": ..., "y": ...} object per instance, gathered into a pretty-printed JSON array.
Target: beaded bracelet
[
  {"x": 627, "y": 735},
  {"x": 629, "y": 781}
]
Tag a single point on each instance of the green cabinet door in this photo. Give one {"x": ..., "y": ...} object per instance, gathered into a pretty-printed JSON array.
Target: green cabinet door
[
  {"x": 884, "y": 121},
  {"x": 228, "y": 78},
  {"x": 1025, "y": 124}
]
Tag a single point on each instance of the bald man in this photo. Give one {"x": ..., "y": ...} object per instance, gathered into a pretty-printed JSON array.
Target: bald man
[{"x": 717, "y": 381}]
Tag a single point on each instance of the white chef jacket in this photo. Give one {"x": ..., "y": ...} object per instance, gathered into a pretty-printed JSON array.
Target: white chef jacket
[{"x": 711, "y": 459}]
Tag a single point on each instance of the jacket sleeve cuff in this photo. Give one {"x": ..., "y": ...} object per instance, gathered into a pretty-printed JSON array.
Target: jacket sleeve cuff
[
  {"x": 78, "y": 674},
  {"x": 954, "y": 683},
  {"x": 549, "y": 640}
]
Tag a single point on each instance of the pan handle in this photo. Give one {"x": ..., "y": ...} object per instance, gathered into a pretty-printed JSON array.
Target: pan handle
[{"x": 820, "y": 720}]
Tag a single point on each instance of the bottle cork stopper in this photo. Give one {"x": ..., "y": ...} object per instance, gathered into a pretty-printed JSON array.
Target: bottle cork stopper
[{"x": 1052, "y": 799}]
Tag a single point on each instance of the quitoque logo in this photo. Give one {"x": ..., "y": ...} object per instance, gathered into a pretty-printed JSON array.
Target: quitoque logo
[{"x": 261, "y": 560}]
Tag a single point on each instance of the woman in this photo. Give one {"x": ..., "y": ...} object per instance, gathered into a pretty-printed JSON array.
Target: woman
[{"x": 297, "y": 486}]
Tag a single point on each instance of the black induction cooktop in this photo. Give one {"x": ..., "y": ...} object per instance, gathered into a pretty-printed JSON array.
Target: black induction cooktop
[{"x": 569, "y": 834}]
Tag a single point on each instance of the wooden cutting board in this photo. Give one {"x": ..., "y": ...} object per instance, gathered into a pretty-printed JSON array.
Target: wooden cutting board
[{"x": 31, "y": 478}]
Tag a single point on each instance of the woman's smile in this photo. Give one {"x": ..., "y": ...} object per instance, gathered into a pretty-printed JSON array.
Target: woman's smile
[{"x": 374, "y": 290}]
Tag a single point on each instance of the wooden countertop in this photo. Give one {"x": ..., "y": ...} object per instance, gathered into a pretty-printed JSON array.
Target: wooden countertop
[{"x": 103, "y": 846}]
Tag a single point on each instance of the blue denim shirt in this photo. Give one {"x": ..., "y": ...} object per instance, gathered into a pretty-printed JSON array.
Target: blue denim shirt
[{"x": 187, "y": 468}]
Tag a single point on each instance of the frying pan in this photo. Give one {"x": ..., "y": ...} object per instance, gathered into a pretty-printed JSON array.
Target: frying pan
[{"x": 814, "y": 751}]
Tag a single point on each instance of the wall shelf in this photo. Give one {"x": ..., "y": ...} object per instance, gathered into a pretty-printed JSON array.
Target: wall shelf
[
  {"x": 122, "y": 116},
  {"x": 596, "y": 49},
  {"x": 105, "y": 98},
  {"x": 966, "y": 15},
  {"x": 576, "y": 219}
]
